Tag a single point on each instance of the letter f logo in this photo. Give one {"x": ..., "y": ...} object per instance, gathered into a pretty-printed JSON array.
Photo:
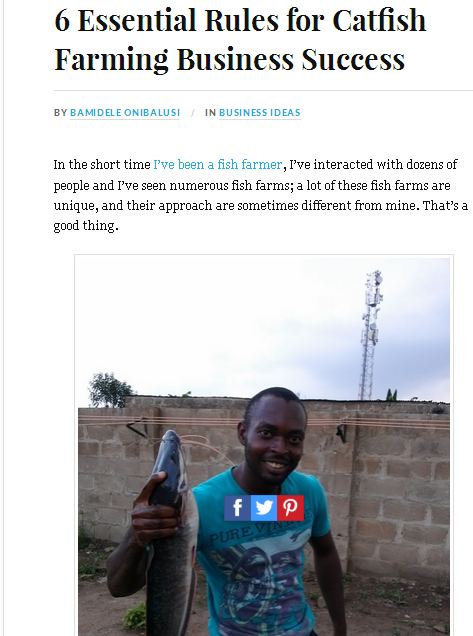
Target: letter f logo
[{"x": 237, "y": 506}]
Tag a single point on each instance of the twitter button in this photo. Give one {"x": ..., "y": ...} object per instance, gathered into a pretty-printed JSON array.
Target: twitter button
[{"x": 264, "y": 508}]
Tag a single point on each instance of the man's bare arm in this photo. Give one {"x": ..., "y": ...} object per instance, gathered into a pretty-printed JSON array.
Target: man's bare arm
[
  {"x": 126, "y": 567},
  {"x": 329, "y": 575}
]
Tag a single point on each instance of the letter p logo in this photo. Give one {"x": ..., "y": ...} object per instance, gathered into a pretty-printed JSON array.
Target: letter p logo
[{"x": 290, "y": 507}]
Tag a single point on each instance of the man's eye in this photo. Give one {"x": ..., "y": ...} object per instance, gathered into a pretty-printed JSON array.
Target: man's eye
[
  {"x": 296, "y": 440},
  {"x": 265, "y": 433}
]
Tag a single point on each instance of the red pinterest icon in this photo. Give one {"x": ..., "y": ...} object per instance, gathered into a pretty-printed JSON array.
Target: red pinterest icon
[{"x": 290, "y": 507}]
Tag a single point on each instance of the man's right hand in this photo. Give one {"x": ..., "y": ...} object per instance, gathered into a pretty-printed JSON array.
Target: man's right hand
[
  {"x": 126, "y": 566},
  {"x": 152, "y": 522}
]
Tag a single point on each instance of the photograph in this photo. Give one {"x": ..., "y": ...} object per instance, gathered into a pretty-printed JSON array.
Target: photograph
[{"x": 204, "y": 382}]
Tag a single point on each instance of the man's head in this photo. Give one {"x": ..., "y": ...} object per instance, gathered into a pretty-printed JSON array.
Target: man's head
[
  {"x": 272, "y": 432},
  {"x": 274, "y": 391}
]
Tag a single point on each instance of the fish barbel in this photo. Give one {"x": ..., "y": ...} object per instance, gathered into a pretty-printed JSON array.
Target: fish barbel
[{"x": 170, "y": 576}]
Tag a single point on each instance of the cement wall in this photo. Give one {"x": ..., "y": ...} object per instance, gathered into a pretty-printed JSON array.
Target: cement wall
[{"x": 387, "y": 486}]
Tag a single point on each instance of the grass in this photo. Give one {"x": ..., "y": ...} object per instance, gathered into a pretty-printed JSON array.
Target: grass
[
  {"x": 85, "y": 535},
  {"x": 83, "y": 540},
  {"x": 398, "y": 598},
  {"x": 94, "y": 568},
  {"x": 135, "y": 617},
  {"x": 362, "y": 594},
  {"x": 396, "y": 631},
  {"x": 395, "y": 597}
]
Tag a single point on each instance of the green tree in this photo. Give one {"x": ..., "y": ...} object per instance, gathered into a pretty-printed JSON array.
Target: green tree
[
  {"x": 106, "y": 390},
  {"x": 391, "y": 397}
]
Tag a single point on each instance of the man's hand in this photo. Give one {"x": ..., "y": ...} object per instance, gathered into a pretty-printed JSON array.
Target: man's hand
[
  {"x": 126, "y": 566},
  {"x": 152, "y": 522}
]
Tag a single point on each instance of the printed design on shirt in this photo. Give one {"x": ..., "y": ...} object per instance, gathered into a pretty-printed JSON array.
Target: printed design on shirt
[
  {"x": 263, "y": 594},
  {"x": 256, "y": 530}
]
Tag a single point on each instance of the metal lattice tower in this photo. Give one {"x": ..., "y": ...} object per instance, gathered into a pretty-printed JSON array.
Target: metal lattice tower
[{"x": 369, "y": 336}]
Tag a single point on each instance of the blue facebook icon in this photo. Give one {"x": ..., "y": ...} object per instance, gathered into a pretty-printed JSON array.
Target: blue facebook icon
[{"x": 237, "y": 508}]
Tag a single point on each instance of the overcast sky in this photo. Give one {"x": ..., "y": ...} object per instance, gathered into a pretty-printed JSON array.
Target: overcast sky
[{"x": 233, "y": 325}]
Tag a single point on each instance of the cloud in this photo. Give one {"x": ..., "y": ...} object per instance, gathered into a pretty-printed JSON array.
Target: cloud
[{"x": 233, "y": 325}]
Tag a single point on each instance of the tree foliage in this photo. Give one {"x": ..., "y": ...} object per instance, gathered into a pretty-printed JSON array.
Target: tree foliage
[
  {"x": 391, "y": 397},
  {"x": 106, "y": 390}
]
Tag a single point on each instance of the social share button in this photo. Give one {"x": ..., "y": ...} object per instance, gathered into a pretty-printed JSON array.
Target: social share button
[
  {"x": 237, "y": 508},
  {"x": 290, "y": 508},
  {"x": 264, "y": 508}
]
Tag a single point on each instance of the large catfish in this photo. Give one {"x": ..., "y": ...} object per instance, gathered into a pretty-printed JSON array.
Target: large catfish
[{"x": 170, "y": 578}]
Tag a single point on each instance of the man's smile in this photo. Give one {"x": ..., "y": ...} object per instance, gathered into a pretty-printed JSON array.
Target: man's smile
[{"x": 276, "y": 465}]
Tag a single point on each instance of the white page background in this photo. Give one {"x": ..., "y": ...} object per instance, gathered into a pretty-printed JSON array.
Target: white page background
[{"x": 428, "y": 118}]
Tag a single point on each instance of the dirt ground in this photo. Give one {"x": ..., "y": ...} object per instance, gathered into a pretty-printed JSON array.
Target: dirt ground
[{"x": 374, "y": 607}]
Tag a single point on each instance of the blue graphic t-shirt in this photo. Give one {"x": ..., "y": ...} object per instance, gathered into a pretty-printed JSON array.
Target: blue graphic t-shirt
[{"x": 254, "y": 568}]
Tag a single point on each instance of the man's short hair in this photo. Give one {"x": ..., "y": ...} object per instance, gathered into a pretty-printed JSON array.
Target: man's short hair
[{"x": 274, "y": 391}]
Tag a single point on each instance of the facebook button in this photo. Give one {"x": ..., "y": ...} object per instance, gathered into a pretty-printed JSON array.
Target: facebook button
[
  {"x": 264, "y": 507},
  {"x": 237, "y": 508}
]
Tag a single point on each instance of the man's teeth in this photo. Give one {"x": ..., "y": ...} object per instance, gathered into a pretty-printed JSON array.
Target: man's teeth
[{"x": 274, "y": 465}]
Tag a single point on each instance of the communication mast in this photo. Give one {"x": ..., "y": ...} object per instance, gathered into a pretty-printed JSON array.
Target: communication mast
[{"x": 369, "y": 336}]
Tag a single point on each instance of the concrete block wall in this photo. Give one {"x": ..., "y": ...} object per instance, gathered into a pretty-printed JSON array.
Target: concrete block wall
[
  {"x": 114, "y": 463},
  {"x": 112, "y": 468},
  {"x": 387, "y": 489},
  {"x": 401, "y": 504}
]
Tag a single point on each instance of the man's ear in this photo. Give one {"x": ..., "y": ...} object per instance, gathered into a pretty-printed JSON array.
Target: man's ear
[{"x": 241, "y": 431}]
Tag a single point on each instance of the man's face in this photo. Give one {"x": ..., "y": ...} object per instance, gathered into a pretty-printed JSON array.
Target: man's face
[{"x": 274, "y": 439}]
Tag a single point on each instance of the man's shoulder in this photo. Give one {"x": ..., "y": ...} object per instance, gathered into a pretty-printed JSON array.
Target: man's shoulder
[
  {"x": 314, "y": 499},
  {"x": 214, "y": 483},
  {"x": 303, "y": 482}
]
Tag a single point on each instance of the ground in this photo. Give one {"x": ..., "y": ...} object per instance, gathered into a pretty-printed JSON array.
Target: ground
[{"x": 374, "y": 607}]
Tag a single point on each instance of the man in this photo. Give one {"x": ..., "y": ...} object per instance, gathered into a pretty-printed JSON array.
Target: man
[{"x": 254, "y": 569}]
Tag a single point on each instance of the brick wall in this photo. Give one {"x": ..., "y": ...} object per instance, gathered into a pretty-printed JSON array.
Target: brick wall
[
  {"x": 387, "y": 488},
  {"x": 401, "y": 503}
]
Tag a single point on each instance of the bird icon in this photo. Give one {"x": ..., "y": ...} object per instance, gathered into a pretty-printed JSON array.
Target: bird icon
[{"x": 263, "y": 509}]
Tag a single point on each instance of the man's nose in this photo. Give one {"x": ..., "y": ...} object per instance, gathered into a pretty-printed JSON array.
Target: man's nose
[{"x": 278, "y": 445}]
